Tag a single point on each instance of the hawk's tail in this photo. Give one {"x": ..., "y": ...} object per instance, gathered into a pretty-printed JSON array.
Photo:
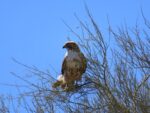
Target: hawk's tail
[{"x": 60, "y": 81}]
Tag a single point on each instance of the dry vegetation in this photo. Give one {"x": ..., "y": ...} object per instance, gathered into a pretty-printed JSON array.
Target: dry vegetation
[{"x": 116, "y": 79}]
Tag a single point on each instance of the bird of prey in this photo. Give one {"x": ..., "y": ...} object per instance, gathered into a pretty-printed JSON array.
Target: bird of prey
[{"x": 73, "y": 67}]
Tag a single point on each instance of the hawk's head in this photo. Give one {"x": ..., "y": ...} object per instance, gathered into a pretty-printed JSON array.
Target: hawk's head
[{"x": 70, "y": 45}]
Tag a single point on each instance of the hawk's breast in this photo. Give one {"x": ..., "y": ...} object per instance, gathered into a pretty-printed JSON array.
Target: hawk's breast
[{"x": 73, "y": 60}]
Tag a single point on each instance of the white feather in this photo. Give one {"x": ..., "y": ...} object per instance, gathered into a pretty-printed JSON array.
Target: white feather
[{"x": 71, "y": 54}]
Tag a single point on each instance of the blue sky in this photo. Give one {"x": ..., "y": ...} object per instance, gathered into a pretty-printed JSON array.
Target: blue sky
[{"x": 32, "y": 31}]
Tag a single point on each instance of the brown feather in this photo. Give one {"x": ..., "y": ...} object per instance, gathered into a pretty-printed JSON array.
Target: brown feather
[{"x": 73, "y": 67}]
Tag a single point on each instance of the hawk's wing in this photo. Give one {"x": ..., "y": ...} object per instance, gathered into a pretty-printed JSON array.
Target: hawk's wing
[
  {"x": 64, "y": 66},
  {"x": 83, "y": 62}
]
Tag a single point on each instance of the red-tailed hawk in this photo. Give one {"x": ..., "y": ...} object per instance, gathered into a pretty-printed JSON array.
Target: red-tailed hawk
[{"x": 73, "y": 66}]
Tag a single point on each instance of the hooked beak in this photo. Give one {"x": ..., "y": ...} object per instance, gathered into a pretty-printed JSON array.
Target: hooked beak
[{"x": 64, "y": 46}]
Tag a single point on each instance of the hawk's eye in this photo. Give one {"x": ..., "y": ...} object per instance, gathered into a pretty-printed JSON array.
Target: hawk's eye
[{"x": 70, "y": 47}]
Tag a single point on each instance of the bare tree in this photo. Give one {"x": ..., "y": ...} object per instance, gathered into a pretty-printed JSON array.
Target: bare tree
[
  {"x": 3, "y": 105},
  {"x": 116, "y": 79}
]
